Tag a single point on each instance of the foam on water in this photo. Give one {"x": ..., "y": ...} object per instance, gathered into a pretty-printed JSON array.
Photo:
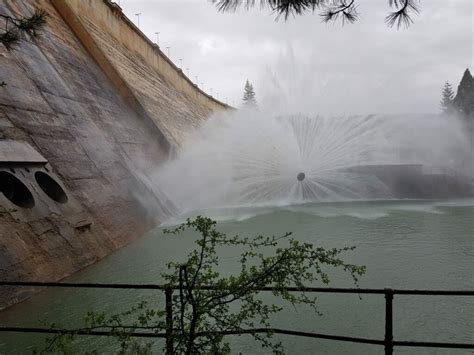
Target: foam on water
[{"x": 364, "y": 210}]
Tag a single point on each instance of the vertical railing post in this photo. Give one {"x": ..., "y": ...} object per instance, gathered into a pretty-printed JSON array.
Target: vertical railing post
[
  {"x": 169, "y": 320},
  {"x": 388, "y": 321}
]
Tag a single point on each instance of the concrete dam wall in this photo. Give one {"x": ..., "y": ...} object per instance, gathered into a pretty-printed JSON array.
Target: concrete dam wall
[{"x": 91, "y": 107}]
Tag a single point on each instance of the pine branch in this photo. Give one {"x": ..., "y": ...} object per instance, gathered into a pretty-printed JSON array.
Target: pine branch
[
  {"x": 331, "y": 10},
  {"x": 15, "y": 28},
  {"x": 295, "y": 7},
  {"x": 283, "y": 8},
  {"x": 346, "y": 11},
  {"x": 9, "y": 38},
  {"x": 401, "y": 17}
]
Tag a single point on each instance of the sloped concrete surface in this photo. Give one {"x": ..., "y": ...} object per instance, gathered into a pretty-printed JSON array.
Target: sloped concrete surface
[{"x": 99, "y": 149}]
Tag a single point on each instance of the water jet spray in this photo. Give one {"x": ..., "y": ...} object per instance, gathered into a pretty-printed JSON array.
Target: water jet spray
[{"x": 254, "y": 158}]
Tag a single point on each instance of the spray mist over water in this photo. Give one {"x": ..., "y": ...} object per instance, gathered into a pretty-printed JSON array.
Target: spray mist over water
[{"x": 252, "y": 158}]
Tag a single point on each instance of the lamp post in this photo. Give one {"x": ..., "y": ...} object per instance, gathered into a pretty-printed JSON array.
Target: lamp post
[{"x": 138, "y": 19}]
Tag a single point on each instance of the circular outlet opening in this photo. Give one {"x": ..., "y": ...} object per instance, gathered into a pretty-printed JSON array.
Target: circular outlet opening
[
  {"x": 50, "y": 187},
  {"x": 300, "y": 176},
  {"x": 15, "y": 191}
]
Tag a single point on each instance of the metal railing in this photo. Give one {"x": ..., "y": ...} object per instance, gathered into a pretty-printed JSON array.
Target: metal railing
[{"x": 388, "y": 342}]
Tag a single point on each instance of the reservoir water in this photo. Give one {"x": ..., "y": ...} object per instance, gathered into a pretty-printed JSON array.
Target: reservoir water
[{"x": 404, "y": 244}]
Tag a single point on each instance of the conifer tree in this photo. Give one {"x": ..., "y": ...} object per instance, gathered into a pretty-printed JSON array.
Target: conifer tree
[
  {"x": 464, "y": 100},
  {"x": 447, "y": 97},
  {"x": 463, "y": 103},
  {"x": 249, "y": 95}
]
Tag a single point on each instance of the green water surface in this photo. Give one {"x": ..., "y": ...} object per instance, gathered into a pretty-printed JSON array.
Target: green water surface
[{"x": 404, "y": 244}]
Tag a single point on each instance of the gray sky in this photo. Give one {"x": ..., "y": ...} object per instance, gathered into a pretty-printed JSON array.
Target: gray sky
[{"x": 307, "y": 66}]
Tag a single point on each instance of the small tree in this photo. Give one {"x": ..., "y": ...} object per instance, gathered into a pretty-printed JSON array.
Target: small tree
[
  {"x": 447, "y": 97},
  {"x": 249, "y": 95},
  {"x": 202, "y": 315}
]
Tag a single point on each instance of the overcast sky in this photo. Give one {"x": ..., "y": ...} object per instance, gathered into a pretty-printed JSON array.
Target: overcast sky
[{"x": 307, "y": 66}]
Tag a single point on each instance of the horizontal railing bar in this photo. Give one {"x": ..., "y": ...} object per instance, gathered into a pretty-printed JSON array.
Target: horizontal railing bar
[
  {"x": 435, "y": 292},
  {"x": 300, "y": 334},
  {"x": 211, "y": 288},
  {"x": 429, "y": 344},
  {"x": 78, "y": 332},
  {"x": 245, "y": 331},
  {"x": 82, "y": 285},
  {"x": 313, "y": 289},
  {"x": 163, "y": 335}
]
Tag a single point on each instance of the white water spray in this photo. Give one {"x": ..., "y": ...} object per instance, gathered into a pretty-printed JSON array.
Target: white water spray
[{"x": 249, "y": 158}]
